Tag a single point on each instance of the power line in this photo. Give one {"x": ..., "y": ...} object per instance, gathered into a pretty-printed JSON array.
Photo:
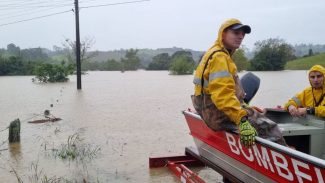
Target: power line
[
  {"x": 7, "y": 16},
  {"x": 25, "y": 10},
  {"x": 32, "y": 4},
  {"x": 1, "y": 25},
  {"x": 111, "y": 4},
  {"x": 48, "y": 15},
  {"x": 40, "y": 6}
]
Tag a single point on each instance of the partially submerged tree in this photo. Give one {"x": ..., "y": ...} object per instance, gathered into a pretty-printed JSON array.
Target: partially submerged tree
[
  {"x": 112, "y": 65},
  {"x": 182, "y": 63},
  {"x": 46, "y": 72},
  {"x": 131, "y": 60},
  {"x": 14, "y": 65},
  {"x": 160, "y": 62},
  {"x": 271, "y": 55}
]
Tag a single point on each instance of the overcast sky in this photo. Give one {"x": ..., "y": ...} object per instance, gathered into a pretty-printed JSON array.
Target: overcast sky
[{"x": 155, "y": 24}]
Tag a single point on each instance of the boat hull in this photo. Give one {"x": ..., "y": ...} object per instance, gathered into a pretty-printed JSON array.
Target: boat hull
[
  {"x": 264, "y": 162},
  {"x": 229, "y": 164}
]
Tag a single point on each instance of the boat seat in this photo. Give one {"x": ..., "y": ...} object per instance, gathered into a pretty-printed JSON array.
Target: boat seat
[
  {"x": 307, "y": 138},
  {"x": 289, "y": 129}
]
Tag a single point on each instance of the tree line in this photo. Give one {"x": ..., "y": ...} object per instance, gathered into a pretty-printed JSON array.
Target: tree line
[{"x": 270, "y": 54}]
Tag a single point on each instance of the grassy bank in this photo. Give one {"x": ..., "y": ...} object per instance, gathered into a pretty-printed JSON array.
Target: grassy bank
[{"x": 306, "y": 62}]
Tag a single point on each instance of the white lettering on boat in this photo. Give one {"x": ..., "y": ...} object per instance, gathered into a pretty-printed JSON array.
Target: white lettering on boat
[
  {"x": 296, "y": 164},
  {"x": 232, "y": 144},
  {"x": 319, "y": 175},
  {"x": 286, "y": 167},
  {"x": 281, "y": 166},
  {"x": 249, "y": 157},
  {"x": 265, "y": 159}
]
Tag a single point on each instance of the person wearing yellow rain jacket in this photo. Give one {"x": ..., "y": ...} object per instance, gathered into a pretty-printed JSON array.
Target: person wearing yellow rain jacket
[
  {"x": 218, "y": 96},
  {"x": 311, "y": 100}
]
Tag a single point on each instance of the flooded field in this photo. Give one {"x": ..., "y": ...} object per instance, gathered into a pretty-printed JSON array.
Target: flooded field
[{"x": 111, "y": 127}]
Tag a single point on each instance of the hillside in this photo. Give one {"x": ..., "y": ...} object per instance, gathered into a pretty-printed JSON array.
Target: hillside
[
  {"x": 306, "y": 62},
  {"x": 145, "y": 55},
  {"x": 303, "y": 49}
]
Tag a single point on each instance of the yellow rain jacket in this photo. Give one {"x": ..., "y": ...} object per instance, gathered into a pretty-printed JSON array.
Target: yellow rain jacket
[
  {"x": 220, "y": 78},
  {"x": 310, "y": 96}
]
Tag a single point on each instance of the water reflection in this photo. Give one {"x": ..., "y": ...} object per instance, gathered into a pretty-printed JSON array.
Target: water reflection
[{"x": 15, "y": 150}]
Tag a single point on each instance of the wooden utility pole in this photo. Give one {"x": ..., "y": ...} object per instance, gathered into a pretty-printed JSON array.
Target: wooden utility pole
[{"x": 78, "y": 45}]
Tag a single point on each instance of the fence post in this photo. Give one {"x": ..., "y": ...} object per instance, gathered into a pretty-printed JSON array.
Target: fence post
[{"x": 14, "y": 131}]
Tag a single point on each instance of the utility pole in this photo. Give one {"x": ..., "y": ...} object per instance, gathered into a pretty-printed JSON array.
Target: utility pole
[{"x": 78, "y": 45}]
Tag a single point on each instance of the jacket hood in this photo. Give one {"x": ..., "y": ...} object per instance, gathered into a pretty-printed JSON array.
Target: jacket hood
[
  {"x": 318, "y": 68},
  {"x": 226, "y": 24}
]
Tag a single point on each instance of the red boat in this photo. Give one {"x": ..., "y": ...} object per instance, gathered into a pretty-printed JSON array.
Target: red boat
[{"x": 266, "y": 161}]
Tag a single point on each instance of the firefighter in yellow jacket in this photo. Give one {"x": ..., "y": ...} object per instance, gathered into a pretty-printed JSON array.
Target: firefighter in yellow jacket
[
  {"x": 311, "y": 100},
  {"x": 218, "y": 96},
  {"x": 220, "y": 87}
]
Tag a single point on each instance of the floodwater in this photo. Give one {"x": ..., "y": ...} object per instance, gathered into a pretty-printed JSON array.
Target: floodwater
[{"x": 128, "y": 116}]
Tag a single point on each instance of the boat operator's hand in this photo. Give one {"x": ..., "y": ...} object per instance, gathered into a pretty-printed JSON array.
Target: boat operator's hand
[
  {"x": 247, "y": 132},
  {"x": 293, "y": 111},
  {"x": 298, "y": 112}
]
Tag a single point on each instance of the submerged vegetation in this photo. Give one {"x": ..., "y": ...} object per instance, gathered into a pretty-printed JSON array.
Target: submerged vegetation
[
  {"x": 75, "y": 149},
  {"x": 37, "y": 175},
  {"x": 46, "y": 72},
  {"x": 182, "y": 63},
  {"x": 271, "y": 55}
]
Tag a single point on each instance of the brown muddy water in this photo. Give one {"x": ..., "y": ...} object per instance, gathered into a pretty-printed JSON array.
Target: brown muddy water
[{"x": 123, "y": 118}]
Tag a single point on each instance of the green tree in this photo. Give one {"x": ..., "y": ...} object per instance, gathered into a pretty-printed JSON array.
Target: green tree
[
  {"x": 131, "y": 60},
  {"x": 91, "y": 66},
  {"x": 46, "y": 72},
  {"x": 272, "y": 55},
  {"x": 240, "y": 59},
  {"x": 310, "y": 52},
  {"x": 4, "y": 66},
  {"x": 29, "y": 66},
  {"x": 13, "y": 50},
  {"x": 2, "y": 51},
  {"x": 112, "y": 65},
  {"x": 182, "y": 63},
  {"x": 34, "y": 54},
  {"x": 160, "y": 62},
  {"x": 13, "y": 65}
]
